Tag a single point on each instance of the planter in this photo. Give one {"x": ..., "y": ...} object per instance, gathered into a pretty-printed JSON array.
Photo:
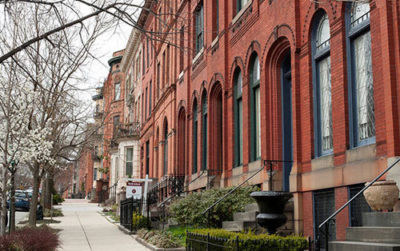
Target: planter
[
  {"x": 271, "y": 205},
  {"x": 382, "y": 195}
]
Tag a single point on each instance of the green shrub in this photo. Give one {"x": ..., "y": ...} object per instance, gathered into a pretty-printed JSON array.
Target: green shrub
[
  {"x": 57, "y": 199},
  {"x": 138, "y": 221},
  {"x": 188, "y": 210},
  {"x": 251, "y": 242},
  {"x": 114, "y": 207},
  {"x": 56, "y": 212}
]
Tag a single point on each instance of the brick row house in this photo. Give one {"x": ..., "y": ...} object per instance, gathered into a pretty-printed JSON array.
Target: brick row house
[{"x": 227, "y": 85}]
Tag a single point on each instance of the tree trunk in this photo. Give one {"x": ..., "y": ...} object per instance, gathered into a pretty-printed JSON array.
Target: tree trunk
[
  {"x": 12, "y": 203},
  {"x": 35, "y": 193},
  {"x": 3, "y": 201},
  {"x": 47, "y": 191}
]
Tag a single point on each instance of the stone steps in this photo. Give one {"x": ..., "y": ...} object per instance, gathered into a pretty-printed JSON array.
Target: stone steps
[
  {"x": 380, "y": 232},
  {"x": 237, "y": 226},
  {"x": 245, "y": 220},
  {"x": 362, "y": 246},
  {"x": 374, "y": 234}
]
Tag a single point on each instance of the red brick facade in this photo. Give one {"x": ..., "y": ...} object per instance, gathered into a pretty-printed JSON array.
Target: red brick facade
[{"x": 271, "y": 30}]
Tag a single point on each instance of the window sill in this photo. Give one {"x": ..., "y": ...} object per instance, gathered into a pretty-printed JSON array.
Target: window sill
[
  {"x": 180, "y": 76},
  {"x": 198, "y": 55},
  {"x": 240, "y": 13},
  {"x": 215, "y": 41}
]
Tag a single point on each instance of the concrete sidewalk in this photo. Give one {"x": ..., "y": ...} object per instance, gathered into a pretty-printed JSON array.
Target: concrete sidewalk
[{"x": 84, "y": 229}]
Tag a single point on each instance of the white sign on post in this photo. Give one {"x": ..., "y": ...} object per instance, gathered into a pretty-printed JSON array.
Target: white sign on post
[{"x": 134, "y": 189}]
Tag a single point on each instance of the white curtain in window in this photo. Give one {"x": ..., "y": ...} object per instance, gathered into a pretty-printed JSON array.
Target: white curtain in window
[
  {"x": 325, "y": 103},
  {"x": 364, "y": 87}
]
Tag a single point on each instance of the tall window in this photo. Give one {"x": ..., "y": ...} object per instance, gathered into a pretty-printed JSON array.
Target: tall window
[
  {"x": 240, "y": 4},
  {"x": 215, "y": 18},
  {"x": 167, "y": 65},
  {"x": 166, "y": 148},
  {"x": 95, "y": 174},
  {"x": 158, "y": 79},
  {"x": 145, "y": 104},
  {"x": 115, "y": 123},
  {"x": 144, "y": 61},
  {"x": 255, "y": 108},
  {"x": 362, "y": 120},
  {"x": 128, "y": 161},
  {"x": 238, "y": 109},
  {"x": 204, "y": 131},
  {"x": 322, "y": 86},
  {"x": 150, "y": 99},
  {"x": 164, "y": 62},
  {"x": 199, "y": 27},
  {"x": 147, "y": 51},
  {"x": 117, "y": 91},
  {"x": 147, "y": 157},
  {"x": 181, "y": 49},
  {"x": 195, "y": 126}
]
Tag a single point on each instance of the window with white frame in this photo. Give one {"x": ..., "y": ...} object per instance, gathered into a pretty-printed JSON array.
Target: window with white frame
[
  {"x": 129, "y": 161},
  {"x": 117, "y": 91}
]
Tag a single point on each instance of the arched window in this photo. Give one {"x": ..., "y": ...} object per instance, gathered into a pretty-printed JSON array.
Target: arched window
[
  {"x": 238, "y": 116},
  {"x": 322, "y": 86},
  {"x": 195, "y": 126},
  {"x": 361, "y": 90},
  {"x": 165, "y": 148},
  {"x": 204, "y": 130},
  {"x": 255, "y": 151}
]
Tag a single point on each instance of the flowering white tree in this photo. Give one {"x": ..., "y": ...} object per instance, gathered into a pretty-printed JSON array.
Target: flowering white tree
[{"x": 18, "y": 143}]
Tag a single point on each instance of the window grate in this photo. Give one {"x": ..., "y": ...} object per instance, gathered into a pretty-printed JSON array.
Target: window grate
[
  {"x": 358, "y": 206},
  {"x": 324, "y": 206}
]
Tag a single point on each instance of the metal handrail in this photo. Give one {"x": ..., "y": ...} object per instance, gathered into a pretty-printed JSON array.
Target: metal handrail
[
  {"x": 348, "y": 202},
  {"x": 263, "y": 162}
]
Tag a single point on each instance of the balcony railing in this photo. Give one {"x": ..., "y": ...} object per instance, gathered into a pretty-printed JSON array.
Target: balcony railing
[{"x": 128, "y": 130}]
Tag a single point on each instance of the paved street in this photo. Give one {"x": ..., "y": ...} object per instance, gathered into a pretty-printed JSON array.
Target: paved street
[{"x": 84, "y": 229}]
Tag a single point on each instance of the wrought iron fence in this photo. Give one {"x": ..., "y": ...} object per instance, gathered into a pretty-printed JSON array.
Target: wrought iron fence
[
  {"x": 199, "y": 242},
  {"x": 129, "y": 206}
]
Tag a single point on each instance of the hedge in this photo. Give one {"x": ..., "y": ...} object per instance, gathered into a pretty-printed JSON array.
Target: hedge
[{"x": 247, "y": 241}]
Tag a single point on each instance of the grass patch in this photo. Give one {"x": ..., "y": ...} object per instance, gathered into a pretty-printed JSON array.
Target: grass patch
[{"x": 179, "y": 233}]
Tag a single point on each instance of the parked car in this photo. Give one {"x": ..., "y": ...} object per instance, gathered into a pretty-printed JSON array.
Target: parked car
[{"x": 22, "y": 200}]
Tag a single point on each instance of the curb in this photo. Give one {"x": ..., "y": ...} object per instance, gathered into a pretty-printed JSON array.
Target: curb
[{"x": 154, "y": 248}]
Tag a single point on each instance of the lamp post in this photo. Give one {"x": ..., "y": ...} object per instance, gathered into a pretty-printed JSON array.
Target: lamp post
[{"x": 13, "y": 170}]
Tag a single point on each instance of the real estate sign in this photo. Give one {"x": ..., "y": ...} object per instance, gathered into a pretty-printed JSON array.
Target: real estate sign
[{"x": 134, "y": 189}]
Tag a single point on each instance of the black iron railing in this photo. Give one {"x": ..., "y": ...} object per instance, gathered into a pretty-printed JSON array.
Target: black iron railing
[
  {"x": 263, "y": 163},
  {"x": 128, "y": 207},
  {"x": 169, "y": 186},
  {"x": 324, "y": 226}
]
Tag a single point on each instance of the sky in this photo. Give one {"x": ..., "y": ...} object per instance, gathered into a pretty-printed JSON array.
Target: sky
[{"x": 97, "y": 70}]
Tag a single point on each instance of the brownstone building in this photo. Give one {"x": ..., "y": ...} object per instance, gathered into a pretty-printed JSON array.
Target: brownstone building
[{"x": 227, "y": 85}]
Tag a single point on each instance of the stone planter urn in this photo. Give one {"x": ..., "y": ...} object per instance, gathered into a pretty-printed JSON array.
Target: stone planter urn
[
  {"x": 271, "y": 205},
  {"x": 382, "y": 195}
]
